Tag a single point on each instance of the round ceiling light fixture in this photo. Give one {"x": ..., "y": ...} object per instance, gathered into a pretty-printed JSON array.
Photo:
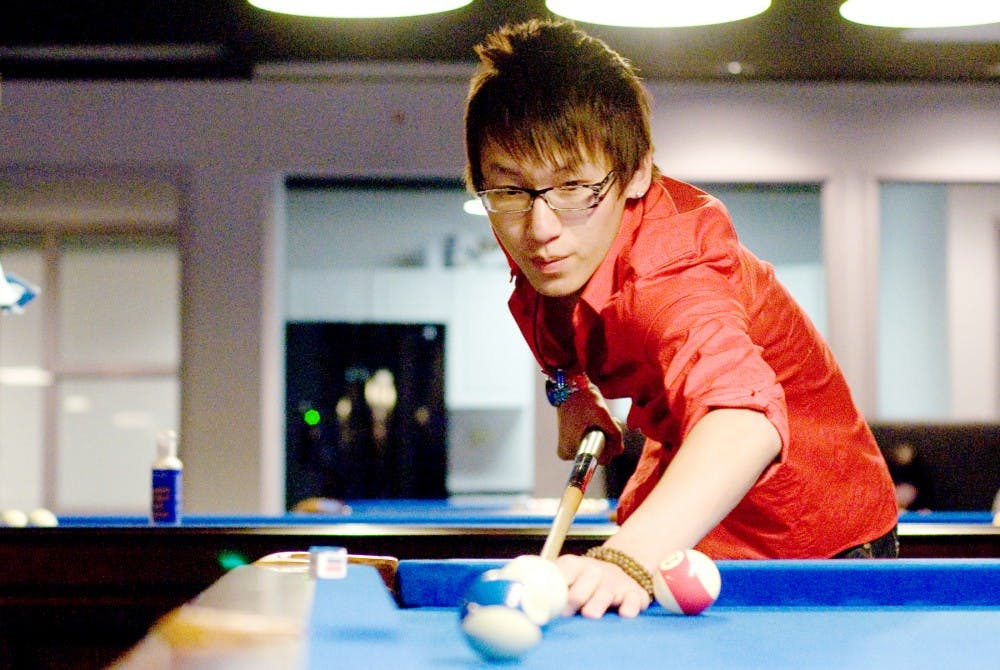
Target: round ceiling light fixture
[
  {"x": 921, "y": 13},
  {"x": 359, "y": 9},
  {"x": 644, "y": 14}
]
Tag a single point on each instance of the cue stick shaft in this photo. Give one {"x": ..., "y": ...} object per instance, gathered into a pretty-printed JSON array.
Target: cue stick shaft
[{"x": 583, "y": 469}]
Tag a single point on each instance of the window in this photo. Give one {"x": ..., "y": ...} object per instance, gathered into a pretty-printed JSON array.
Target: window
[{"x": 89, "y": 371}]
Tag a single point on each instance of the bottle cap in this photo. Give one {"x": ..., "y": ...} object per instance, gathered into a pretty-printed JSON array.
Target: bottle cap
[{"x": 166, "y": 444}]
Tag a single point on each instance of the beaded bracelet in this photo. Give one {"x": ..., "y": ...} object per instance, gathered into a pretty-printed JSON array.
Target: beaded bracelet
[{"x": 629, "y": 566}]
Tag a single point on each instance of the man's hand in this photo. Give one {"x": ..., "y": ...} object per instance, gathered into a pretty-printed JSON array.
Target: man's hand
[
  {"x": 596, "y": 587},
  {"x": 582, "y": 410}
]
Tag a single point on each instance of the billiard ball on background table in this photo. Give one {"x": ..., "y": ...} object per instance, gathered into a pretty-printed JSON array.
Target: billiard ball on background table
[
  {"x": 39, "y": 518},
  {"x": 13, "y": 518},
  {"x": 42, "y": 518}
]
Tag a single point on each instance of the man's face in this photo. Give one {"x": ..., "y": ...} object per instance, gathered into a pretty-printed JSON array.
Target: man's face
[{"x": 557, "y": 251}]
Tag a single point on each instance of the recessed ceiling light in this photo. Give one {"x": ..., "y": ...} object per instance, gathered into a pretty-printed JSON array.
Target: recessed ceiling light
[
  {"x": 359, "y": 9},
  {"x": 921, "y": 13},
  {"x": 644, "y": 14}
]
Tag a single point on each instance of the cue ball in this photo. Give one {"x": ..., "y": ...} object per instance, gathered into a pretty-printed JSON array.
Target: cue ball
[
  {"x": 13, "y": 518},
  {"x": 531, "y": 599},
  {"x": 42, "y": 518},
  {"x": 686, "y": 582},
  {"x": 495, "y": 620},
  {"x": 542, "y": 575}
]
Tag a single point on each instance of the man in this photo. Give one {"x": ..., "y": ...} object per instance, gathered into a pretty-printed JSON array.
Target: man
[{"x": 630, "y": 284}]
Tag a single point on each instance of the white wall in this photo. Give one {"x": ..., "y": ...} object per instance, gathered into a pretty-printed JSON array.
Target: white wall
[
  {"x": 226, "y": 144},
  {"x": 973, "y": 260}
]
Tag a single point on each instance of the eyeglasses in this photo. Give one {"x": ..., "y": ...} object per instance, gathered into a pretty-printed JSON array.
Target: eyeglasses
[{"x": 570, "y": 198}]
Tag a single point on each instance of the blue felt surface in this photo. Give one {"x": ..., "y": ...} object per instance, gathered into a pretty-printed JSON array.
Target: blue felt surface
[
  {"x": 359, "y": 604},
  {"x": 423, "y": 512},
  {"x": 774, "y": 614},
  {"x": 978, "y": 518},
  {"x": 433, "y": 512},
  {"x": 356, "y": 624},
  {"x": 737, "y": 639}
]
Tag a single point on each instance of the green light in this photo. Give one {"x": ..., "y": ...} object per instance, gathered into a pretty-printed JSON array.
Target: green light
[
  {"x": 311, "y": 417},
  {"x": 231, "y": 559}
]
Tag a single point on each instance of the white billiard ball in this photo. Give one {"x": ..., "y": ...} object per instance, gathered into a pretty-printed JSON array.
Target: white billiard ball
[
  {"x": 540, "y": 574},
  {"x": 42, "y": 518},
  {"x": 13, "y": 518}
]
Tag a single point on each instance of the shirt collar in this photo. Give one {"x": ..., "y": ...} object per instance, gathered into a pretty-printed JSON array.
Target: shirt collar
[{"x": 601, "y": 285}]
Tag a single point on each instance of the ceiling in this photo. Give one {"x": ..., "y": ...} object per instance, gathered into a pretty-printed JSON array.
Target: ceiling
[{"x": 795, "y": 40}]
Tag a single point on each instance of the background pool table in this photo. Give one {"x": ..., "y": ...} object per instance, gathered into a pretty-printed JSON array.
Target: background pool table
[
  {"x": 914, "y": 614},
  {"x": 97, "y": 583}
]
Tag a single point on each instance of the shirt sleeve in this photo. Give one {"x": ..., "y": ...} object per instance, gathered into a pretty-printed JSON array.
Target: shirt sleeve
[{"x": 697, "y": 336}]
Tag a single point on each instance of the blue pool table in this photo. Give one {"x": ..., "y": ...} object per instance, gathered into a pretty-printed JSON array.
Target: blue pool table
[
  {"x": 493, "y": 523},
  {"x": 912, "y": 613},
  {"x": 457, "y": 511},
  {"x": 102, "y": 580},
  {"x": 462, "y": 511}
]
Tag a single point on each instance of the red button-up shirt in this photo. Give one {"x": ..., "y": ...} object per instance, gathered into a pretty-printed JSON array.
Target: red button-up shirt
[{"x": 682, "y": 319}]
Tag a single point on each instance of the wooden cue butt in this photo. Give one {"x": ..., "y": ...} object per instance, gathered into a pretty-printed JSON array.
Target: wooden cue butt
[{"x": 565, "y": 514}]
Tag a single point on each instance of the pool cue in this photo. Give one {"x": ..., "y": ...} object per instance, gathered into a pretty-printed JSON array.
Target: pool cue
[{"x": 583, "y": 469}]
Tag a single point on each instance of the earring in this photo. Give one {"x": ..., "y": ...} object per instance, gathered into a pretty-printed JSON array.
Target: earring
[{"x": 640, "y": 194}]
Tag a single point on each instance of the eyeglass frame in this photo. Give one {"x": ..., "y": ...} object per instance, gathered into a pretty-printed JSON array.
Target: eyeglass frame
[{"x": 540, "y": 193}]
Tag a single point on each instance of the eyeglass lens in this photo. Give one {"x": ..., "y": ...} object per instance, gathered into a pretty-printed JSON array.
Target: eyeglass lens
[{"x": 566, "y": 197}]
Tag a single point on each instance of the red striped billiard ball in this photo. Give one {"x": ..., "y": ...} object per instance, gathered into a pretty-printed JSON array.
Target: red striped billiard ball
[{"x": 686, "y": 582}]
